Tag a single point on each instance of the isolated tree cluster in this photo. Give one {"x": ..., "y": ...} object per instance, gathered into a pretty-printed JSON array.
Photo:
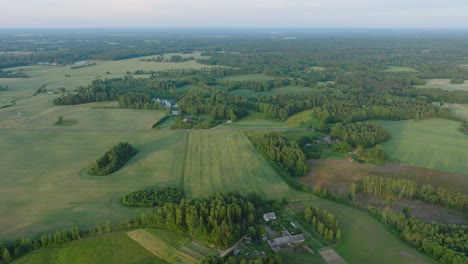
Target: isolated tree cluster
[
  {"x": 113, "y": 159},
  {"x": 153, "y": 197}
]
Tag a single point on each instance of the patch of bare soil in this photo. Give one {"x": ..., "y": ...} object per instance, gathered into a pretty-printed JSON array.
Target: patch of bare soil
[
  {"x": 337, "y": 175},
  {"x": 420, "y": 210},
  {"x": 331, "y": 257}
]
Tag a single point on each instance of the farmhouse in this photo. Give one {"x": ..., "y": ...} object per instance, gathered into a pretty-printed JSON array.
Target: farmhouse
[
  {"x": 286, "y": 240},
  {"x": 175, "y": 112},
  {"x": 269, "y": 216}
]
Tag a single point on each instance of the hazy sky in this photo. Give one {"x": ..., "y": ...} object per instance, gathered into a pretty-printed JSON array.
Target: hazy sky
[{"x": 234, "y": 13}]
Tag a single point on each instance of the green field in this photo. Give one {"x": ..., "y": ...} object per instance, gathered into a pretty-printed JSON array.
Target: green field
[
  {"x": 171, "y": 246},
  {"x": 54, "y": 77},
  {"x": 460, "y": 110},
  {"x": 365, "y": 240},
  {"x": 44, "y": 181},
  {"x": 444, "y": 84},
  {"x": 116, "y": 247},
  {"x": 399, "y": 69},
  {"x": 432, "y": 143},
  {"x": 227, "y": 161},
  {"x": 38, "y": 113},
  {"x": 302, "y": 119}
]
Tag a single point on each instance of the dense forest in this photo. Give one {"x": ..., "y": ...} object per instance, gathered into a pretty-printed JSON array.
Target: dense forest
[
  {"x": 360, "y": 134},
  {"x": 153, "y": 197},
  {"x": 287, "y": 154},
  {"x": 113, "y": 159},
  {"x": 218, "y": 220}
]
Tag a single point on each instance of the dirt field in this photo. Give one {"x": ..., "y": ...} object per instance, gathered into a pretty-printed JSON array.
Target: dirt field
[
  {"x": 337, "y": 175},
  {"x": 330, "y": 256},
  {"x": 419, "y": 209}
]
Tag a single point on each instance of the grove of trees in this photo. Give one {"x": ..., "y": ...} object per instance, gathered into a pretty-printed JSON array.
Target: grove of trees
[
  {"x": 360, "y": 134},
  {"x": 407, "y": 189},
  {"x": 324, "y": 223},
  {"x": 113, "y": 159},
  {"x": 286, "y": 153},
  {"x": 153, "y": 197}
]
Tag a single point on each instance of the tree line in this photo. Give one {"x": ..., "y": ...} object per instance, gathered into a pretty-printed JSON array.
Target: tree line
[
  {"x": 113, "y": 160},
  {"x": 153, "y": 197},
  {"x": 363, "y": 134},
  {"x": 217, "y": 219},
  {"x": 445, "y": 243},
  {"x": 408, "y": 189},
  {"x": 324, "y": 223}
]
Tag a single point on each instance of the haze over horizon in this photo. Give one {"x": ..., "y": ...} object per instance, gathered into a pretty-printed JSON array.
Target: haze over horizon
[{"x": 242, "y": 13}]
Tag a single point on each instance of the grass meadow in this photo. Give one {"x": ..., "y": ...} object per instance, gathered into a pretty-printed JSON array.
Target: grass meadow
[
  {"x": 443, "y": 84},
  {"x": 431, "y": 143},
  {"x": 45, "y": 182},
  {"x": 38, "y": 113},
  {"x": 53, "y": 77},
  {"x": 116, "y": 247},
  {"x": 171, "y": 246},
  {"x": 227, "y": 161},
  {"x": 460, "y": 110},
  {"x": 302, "y": 120},
  {"x": 365, "y": 240}
]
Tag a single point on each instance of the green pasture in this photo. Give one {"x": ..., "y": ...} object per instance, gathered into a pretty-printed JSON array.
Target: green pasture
[
  {"x": 398, "y": 69},
  {"x": 303, "y": 120},
  {"x": 54, "y": 77},
  {"x": 460, "y": 110},
  {"x": 444, "y": 84},
  {"x": 38, "y": 113},
  {"x": 44, "y": 181},
  {"x": 116, "y": 247},
  {"x": 171, "y": 246},
  {"x": 431, "y": 143},
  {"x": 227, "y": 161},
  {"x": 365, "y": 240}
]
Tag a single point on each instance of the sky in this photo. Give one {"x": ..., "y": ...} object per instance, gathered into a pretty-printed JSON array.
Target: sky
[{"x": 234, "y": 13}]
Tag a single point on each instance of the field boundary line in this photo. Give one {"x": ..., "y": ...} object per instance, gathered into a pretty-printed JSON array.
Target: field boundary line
[{"x": 184, "y": 163}]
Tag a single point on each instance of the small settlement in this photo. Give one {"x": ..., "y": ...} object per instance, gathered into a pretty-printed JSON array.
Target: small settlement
[{"x": 281, "y": 241}]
